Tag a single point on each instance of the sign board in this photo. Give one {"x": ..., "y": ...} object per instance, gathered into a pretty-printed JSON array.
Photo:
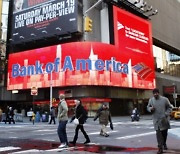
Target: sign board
[
  {"x": 79, "y": 63},
  {"x": 169, "y": 89},
  {"x": 133, "y": 37},
  {"x": 67, "y": 92},
  {"x": 38, "y": 19},
  {"x": 34, "y": 91}
]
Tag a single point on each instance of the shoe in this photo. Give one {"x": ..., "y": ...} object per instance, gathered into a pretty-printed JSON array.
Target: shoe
[
  {"x": 106, "y": 135},
  {"x": 165, "y": 147},
  {"x": 87, "y": 141},
  {"x": 72, "y": 142},
  {"x": 63, "y": 145},
  {"x": 160, "y": 151}
]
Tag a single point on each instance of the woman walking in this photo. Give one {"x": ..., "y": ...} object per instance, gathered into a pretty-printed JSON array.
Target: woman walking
[
  {"x": 104, "y": 116},
  {"x": 81, "y": 115}
]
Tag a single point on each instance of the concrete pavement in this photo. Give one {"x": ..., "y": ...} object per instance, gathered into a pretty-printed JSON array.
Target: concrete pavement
[{"x": 120, "y": 141}]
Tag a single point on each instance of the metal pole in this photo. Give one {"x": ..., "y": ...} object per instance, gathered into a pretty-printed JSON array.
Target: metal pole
[
  {"x": 33, "y": 102},
  {"x": 174, "y": 96},
  {"x": 50, "y": 90}
]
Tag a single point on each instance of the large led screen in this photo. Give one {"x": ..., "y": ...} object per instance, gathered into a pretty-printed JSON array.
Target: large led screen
[
  {"x": 133, "y": 37},
  {"x": 33, "y": 20},
  {"x": 78, "y": 63}
]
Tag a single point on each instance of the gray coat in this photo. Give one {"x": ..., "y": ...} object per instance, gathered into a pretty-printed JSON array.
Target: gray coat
[
  {"x": 161, "y": 113},
  {"x": 62, "y": 111}
]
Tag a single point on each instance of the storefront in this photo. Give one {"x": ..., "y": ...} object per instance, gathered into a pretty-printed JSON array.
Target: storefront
[{"x": 90, "y": 104}]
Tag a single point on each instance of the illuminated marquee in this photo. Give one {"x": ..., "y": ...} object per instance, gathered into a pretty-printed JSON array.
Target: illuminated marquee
[
  {"x": 81, "y": 65},
  {"x": 78, "y": 63}
]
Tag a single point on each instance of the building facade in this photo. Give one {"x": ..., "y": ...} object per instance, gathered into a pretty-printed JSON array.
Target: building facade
[{"x": 102, "y": 41}]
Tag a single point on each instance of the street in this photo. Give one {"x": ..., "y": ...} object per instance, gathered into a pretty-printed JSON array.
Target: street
[{"x": 127, "y": 137}]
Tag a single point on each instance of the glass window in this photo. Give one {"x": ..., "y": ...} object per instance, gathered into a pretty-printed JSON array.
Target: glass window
[
  {"x": 166, "y": 62},
  {"x": 5, "y": 10}
]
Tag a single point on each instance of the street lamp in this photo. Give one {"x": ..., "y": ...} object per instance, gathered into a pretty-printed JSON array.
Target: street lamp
[
  {"x": 174, "y": 94},
  {"x": 50, "y": 105}
]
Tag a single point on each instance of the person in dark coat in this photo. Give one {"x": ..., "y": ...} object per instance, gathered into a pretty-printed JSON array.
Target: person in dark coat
[
  {"x": 160, "y": 108},
  {"x": 81, "y": 115},
  {"x": 11, "y": 115},
  {"x": 52, "y": 113},
  {"x": 7, "y": 115}
]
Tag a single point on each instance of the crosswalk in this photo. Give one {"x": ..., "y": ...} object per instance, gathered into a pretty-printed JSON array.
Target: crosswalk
[
  {"x": 9, "y": 148},
  {"x": 47, "y": 133},
  {"x": 6, "y": 149}
]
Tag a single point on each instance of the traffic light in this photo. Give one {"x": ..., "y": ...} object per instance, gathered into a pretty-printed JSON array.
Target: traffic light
[{"x": 87, "y": 24}]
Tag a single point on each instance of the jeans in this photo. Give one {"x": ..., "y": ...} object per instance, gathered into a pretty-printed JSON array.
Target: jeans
[
  {"x": 62, "y": 132},
  {"x": 52, "y": 119},
  {"x": 81, "y": 127},
  {"x": 103, "y": 129},
  {"x": 161, "y": 137}
]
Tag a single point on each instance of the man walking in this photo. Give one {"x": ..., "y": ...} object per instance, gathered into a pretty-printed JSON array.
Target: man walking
[
  {"x": 63, "y": 119},
  {"x": 160, "y": 108}
]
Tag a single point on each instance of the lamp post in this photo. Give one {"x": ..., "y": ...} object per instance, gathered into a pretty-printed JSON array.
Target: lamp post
[
  {"x": 174, "y": 94},
  {"x": 50, "y": 90}
]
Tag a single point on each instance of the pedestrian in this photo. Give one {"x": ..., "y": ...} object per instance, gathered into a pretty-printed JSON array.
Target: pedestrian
[
  {"x": 81, "y": 115},
  {"x": 33, "y": 117},
  {"x": 7, "y": 115},
  {"x": 135, "y": 115},
  {"x": 160, "y": 108},
  {"x": 52, "y": 114},
  {"x": 11, "y": 115},
  {"x": 63, "y": 119},
  {"x": 30, "y": 114},
  {"x": 135, "y": 111},
  {"x": 104, "y": 116}
]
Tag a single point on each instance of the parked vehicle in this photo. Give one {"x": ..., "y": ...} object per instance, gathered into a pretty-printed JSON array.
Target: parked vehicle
[
  {"x": 175, "y": 114},
  {"x": 135, "y": 117}
]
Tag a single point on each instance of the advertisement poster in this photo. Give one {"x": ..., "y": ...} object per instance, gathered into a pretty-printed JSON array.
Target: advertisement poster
[
  {"x": 33, "y": 20},
  {"x": 77, "y": 63},
  {"x": 133, "y": 37}
]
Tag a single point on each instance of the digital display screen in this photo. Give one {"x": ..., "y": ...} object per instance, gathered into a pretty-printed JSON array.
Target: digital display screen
[
  {"x": 33, "y": 20},
  {"x": 77, "y": 63},
  {"x": 133, "y": 37}
]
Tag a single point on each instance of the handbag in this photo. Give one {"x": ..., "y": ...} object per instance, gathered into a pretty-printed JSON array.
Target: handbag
[{"x": 76, "y": 121}]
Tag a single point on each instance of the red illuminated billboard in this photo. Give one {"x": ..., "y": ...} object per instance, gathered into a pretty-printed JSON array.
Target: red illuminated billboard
[
  {"x": 78, "y": 63},
  {"x": 133, "y": 37}
]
